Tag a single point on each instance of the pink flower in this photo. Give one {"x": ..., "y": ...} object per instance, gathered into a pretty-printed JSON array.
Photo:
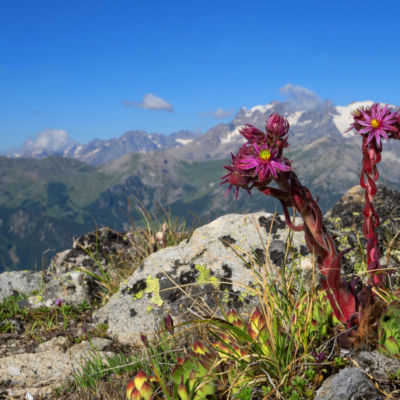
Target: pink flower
[
  {"x": 264, "y": 161},
  {"x": 59, "y": 302},
  {"x": 236, "y": 177},
  {"x": 377, "y": 123}
]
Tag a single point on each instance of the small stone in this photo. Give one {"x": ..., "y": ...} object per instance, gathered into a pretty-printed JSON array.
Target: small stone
[{"x": 348, "y": 384}]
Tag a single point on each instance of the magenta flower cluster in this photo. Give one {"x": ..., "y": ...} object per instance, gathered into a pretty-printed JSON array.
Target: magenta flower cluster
[
  {"x": 376, "y": 123},
  {"x": 260, "y": 161}
]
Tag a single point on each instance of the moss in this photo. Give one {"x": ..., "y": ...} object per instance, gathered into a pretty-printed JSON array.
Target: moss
[{"x": 153, "y": 287}]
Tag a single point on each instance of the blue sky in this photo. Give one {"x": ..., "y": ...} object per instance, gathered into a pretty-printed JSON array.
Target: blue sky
[{"x": 96, "y": 69}]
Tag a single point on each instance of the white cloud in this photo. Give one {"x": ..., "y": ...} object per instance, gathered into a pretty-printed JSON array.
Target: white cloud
[
  {"x": 51, "y": 140},
  {"x": 218, "y": 114},
  {"x": 151, "y": 102},
  {"x": 298, "y": 97}
]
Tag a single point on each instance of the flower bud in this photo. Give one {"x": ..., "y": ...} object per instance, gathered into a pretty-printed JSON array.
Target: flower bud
[
  {"x": 169, "y": 324},
  {"x": 277, "y": 125},
  {"x": 252, "y": 134},
  {"x": 59, "y": 302},
  {"x": 144, "y": 339}
]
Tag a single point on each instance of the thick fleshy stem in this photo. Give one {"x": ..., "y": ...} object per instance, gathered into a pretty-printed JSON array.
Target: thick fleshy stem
[
  {"x": 369, "y": 175},
  {"x": 292, "y": 194}
]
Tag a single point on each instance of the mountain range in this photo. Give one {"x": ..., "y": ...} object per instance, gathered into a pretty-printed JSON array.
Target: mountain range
[
  {"x": 47, "y": 199},
  {"x": 98, "y": 152}
]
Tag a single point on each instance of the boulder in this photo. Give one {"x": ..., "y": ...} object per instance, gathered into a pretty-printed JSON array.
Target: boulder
[
  {"x": 348, "y": 384},
  {"x": 71, "y": 274},
  {"x": 19, "y": 282},
  {"x": 216, "y": 266},
  {"x": 48, "y": 366}
]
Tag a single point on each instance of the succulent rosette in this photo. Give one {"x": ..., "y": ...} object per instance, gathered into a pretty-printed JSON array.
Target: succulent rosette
[
  {"x": 140, "y": 387},
  {"x": 389, "y": 331}
]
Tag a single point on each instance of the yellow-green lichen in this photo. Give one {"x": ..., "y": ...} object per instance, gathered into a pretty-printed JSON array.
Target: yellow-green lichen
[
  {"x": 205, "y": 276},
  {"x": 225, "y": 297},
  {"x": 153, "y": 287},
  {"x": 245, "y": 294},
  {"x": 138, "y": 295},
  {"x": 148, "y": 309}
]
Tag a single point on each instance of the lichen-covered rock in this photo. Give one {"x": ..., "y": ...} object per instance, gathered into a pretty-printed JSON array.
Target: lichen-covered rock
[
  {"x": 49, "y": 366},
  {"x": 97, "y": 248},
  {"x": 190, "y": 280},
  {"x": 382, "y": 368},
  {"x": 345, "y": 220},
  {"x": 65, "y": 278},
  {"x": 19, "y": 282},
  {"x": 348, "y": 384},
  {"x": 69, "y": 274}
]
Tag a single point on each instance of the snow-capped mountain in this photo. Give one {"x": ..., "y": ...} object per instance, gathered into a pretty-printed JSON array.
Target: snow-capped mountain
[
  {"x": 306, "y": 126},
  {"x": 99, "y": 152}
]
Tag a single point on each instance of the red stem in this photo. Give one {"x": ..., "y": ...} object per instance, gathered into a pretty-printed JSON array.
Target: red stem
[
  {"x": 318, "y": 240},
  {"x": 369, "y": 175}
]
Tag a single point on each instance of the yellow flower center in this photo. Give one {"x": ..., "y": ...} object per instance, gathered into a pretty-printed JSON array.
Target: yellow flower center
[
  {"x": 375, "y": 123},
  {"x": 265, "y": 154}
]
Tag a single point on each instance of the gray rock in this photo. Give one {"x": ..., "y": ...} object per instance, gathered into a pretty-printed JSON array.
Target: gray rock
[
  {"x": 19, "y": 282},
  {"x": 345, "y": 220},
  {"x": 49, "y": 367},
  {"x": 348, "y": 384},
  {"x": 377, "y": 364},
  {"x": 212, "y": 267},
  {"x": 71, "y": 272}
]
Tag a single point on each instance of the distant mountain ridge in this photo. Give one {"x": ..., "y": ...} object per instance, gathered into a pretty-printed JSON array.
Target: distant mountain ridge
[
  {"x": 306, "y": 126},
  {"x": 98, "y": 152}
]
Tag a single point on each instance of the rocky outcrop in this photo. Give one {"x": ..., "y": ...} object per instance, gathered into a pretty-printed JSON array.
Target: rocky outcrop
[
  {"x": 72, "y": 273},
  {"x": 47, "y": 366},
  {"x": 216, "y": 266},
  {"x": 345, "y": 220}
]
